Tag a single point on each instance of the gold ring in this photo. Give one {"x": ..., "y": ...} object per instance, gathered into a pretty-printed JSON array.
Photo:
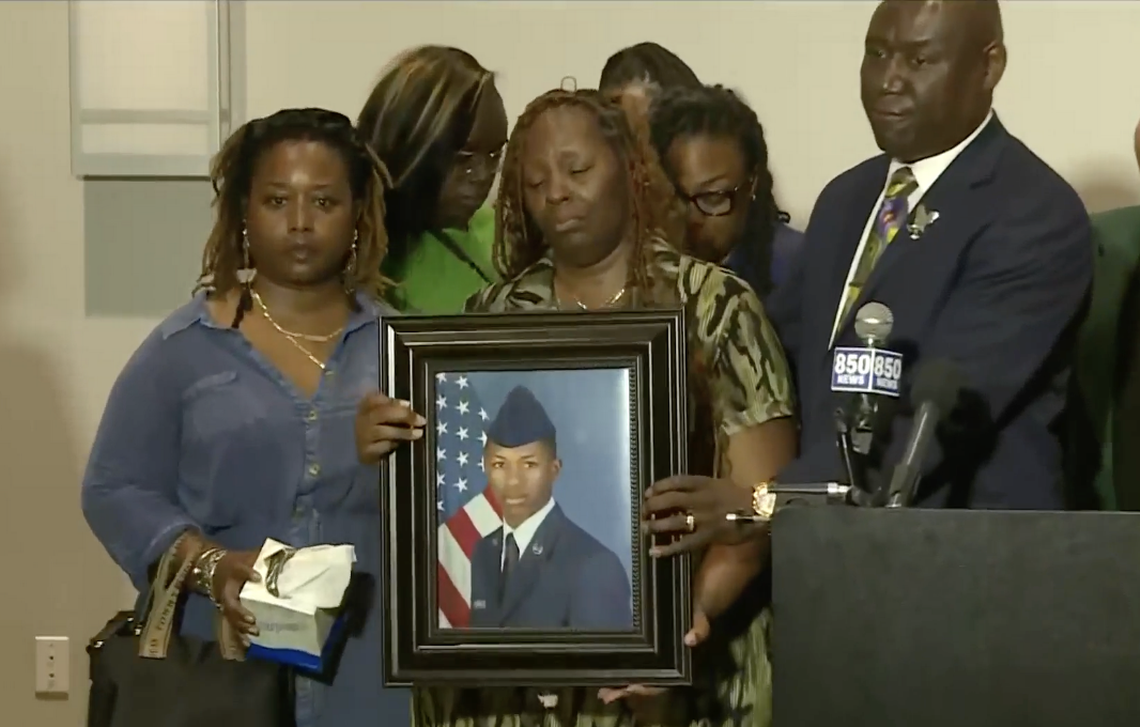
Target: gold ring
[{"x": 690, "y": 522}]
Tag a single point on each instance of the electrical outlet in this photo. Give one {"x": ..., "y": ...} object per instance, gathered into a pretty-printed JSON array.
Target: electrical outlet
[{"x": 52, "y": 665}]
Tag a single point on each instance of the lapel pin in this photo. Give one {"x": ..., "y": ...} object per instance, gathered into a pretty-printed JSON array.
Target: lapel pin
[
  {"x": 536, "y": 549},
  {"x": 922, "y": 219}
]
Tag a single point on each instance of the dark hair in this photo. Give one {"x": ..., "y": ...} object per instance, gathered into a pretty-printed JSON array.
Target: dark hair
[
  {"x": 417, "y": 119},
  {"x": 551, "y": 445},
  {"x": 231, "y": 173},
  {"x": 717, "y": 111},
  {"x": 519, "y": 243},
  {"x": 647, "y": 62}
]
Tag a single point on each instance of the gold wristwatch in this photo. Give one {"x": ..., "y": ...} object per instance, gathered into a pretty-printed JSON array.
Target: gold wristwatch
[
  {"x": 763, "y": 506},
  {"x": 763, "y": 501}
]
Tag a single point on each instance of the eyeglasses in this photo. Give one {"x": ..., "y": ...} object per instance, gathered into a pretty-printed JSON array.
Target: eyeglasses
[
  {"x": 717, "y": 203},
  {"x": 474, "y": 162}
]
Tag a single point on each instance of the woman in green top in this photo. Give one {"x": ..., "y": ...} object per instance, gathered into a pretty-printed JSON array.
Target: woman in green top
[{"x": 438, "y": 123}]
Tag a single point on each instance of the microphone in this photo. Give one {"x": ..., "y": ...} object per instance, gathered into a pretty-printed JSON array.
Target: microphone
[
  {"x": 937, "y": 386},
  {"x": 870, "y": 372}
]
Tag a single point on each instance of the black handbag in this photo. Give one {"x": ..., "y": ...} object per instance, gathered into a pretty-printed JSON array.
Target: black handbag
[{"x": 145, "y": 675}]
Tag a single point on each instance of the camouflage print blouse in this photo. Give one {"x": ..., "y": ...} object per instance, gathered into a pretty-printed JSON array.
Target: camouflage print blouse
[{"x": 748, "y": 384}]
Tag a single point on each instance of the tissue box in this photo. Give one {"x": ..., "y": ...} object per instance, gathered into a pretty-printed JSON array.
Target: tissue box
[{"x": 300, "y": 624}]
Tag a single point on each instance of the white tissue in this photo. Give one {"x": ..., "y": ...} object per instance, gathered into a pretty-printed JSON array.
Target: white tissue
[
  {"x": 316, "y": 576},
  {"x": 311, "y": 587}
]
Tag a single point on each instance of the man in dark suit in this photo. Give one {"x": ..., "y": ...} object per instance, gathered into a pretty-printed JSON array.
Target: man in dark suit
[
  {"x": 982, "y": 252},
  {"x": 539, "y": 570}
]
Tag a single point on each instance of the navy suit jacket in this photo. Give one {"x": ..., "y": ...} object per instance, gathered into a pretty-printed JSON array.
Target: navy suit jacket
[
  {"x": 996, "y": 284},
  {"x": 564, "y": 579}
]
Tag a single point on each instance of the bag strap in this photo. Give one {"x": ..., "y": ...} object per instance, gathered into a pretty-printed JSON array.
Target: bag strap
[
  {"x": 161, "y": 575},
  {"x": 454, "y": 248},
  {"x": 229, "y": 644},
  {"x": 162, "y": 602}
]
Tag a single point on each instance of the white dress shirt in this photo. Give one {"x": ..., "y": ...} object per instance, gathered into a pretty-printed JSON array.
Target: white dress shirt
[
  {"x": 524, "y": 533},
  {"x": 926, "y": 173}
]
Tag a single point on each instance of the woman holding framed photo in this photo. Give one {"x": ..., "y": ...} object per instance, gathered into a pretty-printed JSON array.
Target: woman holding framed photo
[{"x": 584, "y": 224}]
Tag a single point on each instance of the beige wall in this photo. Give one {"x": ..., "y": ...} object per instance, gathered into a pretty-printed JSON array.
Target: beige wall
[
  {"x": 56, "y": 369},
  {"x": 1067, "y": 93}
]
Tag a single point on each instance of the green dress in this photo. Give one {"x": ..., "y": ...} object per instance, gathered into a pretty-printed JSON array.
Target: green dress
[
  {"x": 748, "y": 384},
  {"x": 435, "y": 280}
]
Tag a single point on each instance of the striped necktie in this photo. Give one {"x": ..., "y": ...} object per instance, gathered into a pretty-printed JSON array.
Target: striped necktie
[{"x": 890, "y": 218}]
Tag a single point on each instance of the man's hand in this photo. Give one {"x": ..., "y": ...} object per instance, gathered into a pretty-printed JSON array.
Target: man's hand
[
  {"x": 382, "y": 424},
  {"x": 669, "y": 505}
]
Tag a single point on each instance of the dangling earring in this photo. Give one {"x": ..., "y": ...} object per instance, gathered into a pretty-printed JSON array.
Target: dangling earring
[
  {"x": 246, "y": 274},
  {"x": 350, "y": 264},
  {"x": 245, "y": 277}
]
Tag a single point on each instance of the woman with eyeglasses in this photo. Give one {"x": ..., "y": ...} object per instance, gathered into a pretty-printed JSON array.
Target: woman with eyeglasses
[
  {"x": 437, "y": 121},
  {"x": 711, "y": 145}
]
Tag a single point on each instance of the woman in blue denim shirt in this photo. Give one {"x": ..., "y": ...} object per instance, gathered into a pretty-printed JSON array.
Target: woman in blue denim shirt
[
  {"x": 712, "y": 146},
  {"x": 233, "y": 422}
]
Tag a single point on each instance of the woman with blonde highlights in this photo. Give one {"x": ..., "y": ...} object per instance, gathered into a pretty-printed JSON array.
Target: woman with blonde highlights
[{"x": 437, "y": 121}]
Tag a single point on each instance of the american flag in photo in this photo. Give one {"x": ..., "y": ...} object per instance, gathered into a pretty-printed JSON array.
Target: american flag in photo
[{"x": 466, "y": 507}]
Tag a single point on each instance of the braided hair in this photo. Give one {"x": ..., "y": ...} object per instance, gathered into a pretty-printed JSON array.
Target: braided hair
[
  {"x": 719, "y": 112},
  {"x": 656, "y": 211},
  {"x": 646, "y": 62},
  {"x": 231, "y": 173},
  {"x": 518, "y": 241}
]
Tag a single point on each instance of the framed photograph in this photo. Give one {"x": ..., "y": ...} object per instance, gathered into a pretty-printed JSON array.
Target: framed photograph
[{"x": 513, "y": 547}]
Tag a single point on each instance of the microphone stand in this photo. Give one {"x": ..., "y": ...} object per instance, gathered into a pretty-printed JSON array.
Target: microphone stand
[
  {"x": 854, "y": 463},
  {"x": 813, "y": 494}
]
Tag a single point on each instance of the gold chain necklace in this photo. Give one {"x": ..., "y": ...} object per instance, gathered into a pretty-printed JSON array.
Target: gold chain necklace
[
  {"x": 292, "y": 334},
  {"x": 308, "y": 354},
  {"x": 292, "y": 337},
  {"x": 608, "y": 304}
]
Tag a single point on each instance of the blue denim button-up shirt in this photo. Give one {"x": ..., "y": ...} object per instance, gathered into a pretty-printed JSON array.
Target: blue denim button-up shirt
[{"x": 200, "y": 431}]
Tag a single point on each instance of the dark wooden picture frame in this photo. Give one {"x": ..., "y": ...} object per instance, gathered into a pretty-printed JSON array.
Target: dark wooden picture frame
[{"x": 651, "y": 346}]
